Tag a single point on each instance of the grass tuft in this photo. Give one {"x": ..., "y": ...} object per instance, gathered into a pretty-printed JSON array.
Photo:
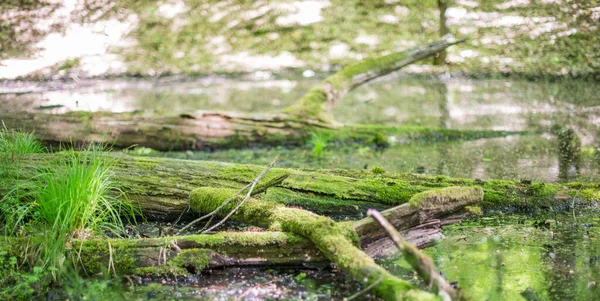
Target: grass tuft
[
  {"x": 16, "y": 143},
  {"x": 75, "y": 197},
  {"x": 318, "y": 142}
]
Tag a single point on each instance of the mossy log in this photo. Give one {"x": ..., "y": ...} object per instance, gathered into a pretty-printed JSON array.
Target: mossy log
[
  {"x": 192, "y": 254},
  {"x": 210, "y": 130},
  {"x": 173, "y": 254},
  {"x": 162, "y": 186},
  {"x": 309, "y": 240}
]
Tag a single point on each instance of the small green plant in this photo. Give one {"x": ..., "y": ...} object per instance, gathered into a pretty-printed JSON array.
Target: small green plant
[
  {"x": 378, "y": 170},
  {"x": 379, "y": 140},
  {"x": 318, "y": 142},
  {"x": 16, "y": 284},
  {"x": 300, "y": 276},
  {"x": 77, "y": 200}
]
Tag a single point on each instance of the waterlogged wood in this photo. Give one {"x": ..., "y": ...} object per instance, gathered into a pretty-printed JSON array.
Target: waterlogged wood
[
  {"x": 209, "y": 130},
  {"x": 420, "y": 262},
  {"x": 195, "y": 253},
  {"x": 433, "y": 205}
]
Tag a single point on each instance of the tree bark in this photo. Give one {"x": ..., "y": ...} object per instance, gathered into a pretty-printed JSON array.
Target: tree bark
[{"x": 209, "y": 130}]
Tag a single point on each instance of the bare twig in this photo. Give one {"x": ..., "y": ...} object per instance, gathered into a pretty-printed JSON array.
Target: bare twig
[
  {"x": 366, "y": 289},
  {"x": 419, "y": 261},
  {"x": 214, "y": 211},
  {"x": 258, "y": 190},
  {"x": 258, "y": 178}
]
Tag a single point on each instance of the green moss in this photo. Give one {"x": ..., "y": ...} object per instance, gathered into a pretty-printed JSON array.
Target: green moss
[
  {"x": 146, "y": 163},
  {"x": 378, "y": 170},
  {"x": 98, "y": 253},
  {"x": 379, "y": 140},
  {"x": 434, "y": 198},
  {"x": 337, "y": 241},
  {"x": 475, "y": 210},
  {"x": 343, "y": 79},
  {"x": 381, "y": 135},
  {"x": 194, "y": 260},
  {"x": 542, "y": 190},
  {"x": 247, "y": 239},
  {"x": 320, "y": 204},
  {"x": 312, "y": 106}
]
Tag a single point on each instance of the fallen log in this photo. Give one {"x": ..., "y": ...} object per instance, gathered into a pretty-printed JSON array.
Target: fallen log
[
  {"x": 161, "y": 186},
  {"x": 210, "y": 130}
]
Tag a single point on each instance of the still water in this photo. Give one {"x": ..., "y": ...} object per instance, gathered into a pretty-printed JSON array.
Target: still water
[{"x": 562, "y": 120}]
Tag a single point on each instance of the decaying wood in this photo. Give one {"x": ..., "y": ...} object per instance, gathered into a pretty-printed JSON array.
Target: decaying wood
[
  {"x": 202, "y": 130},
  {"x": 420, "y": 262},
  {"x": 203, "y": 186},
  {"x": 432, "y": 205}
]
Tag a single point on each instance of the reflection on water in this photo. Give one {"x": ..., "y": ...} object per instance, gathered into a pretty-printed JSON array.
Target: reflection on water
[
  {"x": 569, "y": 154},
  {"x": 533, "y": 157},
  {"x": 502, "y": 258}
]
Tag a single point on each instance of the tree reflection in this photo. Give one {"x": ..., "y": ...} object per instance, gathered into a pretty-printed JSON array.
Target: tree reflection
[{"x": 569, "y": 154}]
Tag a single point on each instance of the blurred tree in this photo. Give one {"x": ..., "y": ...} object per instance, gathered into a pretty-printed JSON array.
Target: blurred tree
[{"x": 440, "y": 59}]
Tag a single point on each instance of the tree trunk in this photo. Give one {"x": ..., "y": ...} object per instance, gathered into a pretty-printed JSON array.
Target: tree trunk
[
  {"x": 209, "y": 130},
  {"x": 440, "y": 58}
]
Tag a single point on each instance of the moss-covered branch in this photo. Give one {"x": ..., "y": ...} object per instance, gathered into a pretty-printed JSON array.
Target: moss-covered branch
[
  {"x": 183, "y": 255},
  {"x": 210, "y": 130},
  {"x": 318, "y": 101}
]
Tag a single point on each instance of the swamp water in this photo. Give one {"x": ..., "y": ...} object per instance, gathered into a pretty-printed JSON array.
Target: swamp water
[{"x": 494, "y": 258}]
